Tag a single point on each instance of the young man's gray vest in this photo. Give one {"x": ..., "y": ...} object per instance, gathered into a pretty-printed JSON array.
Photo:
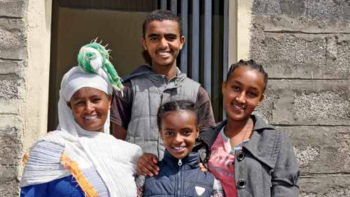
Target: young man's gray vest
[{"x": 150, "y": 90}]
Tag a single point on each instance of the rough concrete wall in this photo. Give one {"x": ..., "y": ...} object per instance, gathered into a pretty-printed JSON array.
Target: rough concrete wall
[
  {"x": 24, "y": 63},
  {"x": 12, "y": 62},
  {"x": 305, "y": 47}
]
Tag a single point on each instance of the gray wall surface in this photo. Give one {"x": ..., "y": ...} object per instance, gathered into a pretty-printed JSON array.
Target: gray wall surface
[
  {"x": 303, "y": 44},
  {"x": 12, "y": 60},
  {"x": 305, "y": 47}
]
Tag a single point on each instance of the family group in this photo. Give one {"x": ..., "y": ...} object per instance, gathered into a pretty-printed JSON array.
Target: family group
[{"x": 154, "y": 134}]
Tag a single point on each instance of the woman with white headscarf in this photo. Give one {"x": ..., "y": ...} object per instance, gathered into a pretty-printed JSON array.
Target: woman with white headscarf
[{"x": 80, "y": 158}]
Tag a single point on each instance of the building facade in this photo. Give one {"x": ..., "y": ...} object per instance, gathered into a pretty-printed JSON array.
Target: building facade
[{"x": 304, "y": 45}]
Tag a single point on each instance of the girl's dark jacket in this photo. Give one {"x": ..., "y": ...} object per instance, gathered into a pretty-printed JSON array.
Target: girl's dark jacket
[
  {"x": 179, "y": 179},
  {"x": 265, "y": 167}
]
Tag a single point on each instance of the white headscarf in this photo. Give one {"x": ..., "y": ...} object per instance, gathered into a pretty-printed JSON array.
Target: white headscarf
[
  {"x": 72, "y": 81},
  {"x": 98, "y": 155}
]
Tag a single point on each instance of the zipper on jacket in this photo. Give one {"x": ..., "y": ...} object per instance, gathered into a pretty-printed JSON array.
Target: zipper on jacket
[
  {"x": 179, "y": 180},
  {"x": 179, "y": 163}
]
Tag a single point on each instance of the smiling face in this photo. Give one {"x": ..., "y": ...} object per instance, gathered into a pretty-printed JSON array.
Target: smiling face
[
  {"x": 243, "y": 91},
  {"x": 179, "y": 132},
  {"x": 163, "y": 42},
  {"x": 90, "y": 108}
]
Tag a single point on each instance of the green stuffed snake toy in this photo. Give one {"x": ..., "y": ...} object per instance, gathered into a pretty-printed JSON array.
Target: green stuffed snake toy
[{"x": 94, "y": 58}]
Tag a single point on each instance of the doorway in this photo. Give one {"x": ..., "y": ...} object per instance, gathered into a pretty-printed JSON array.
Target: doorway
[
  {"x": 118, "y": 23},
  {"x": 75, "y": 23}
]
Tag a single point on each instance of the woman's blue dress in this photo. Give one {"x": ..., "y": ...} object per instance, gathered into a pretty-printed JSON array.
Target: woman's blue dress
[{"x": 64, "y": 187}]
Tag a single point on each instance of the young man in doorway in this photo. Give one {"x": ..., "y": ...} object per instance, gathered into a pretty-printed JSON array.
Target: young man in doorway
[{"x": 134, "y": 114}]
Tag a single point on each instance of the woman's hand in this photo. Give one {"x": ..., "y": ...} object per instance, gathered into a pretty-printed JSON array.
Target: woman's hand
[{"x": 147, "y": 165}]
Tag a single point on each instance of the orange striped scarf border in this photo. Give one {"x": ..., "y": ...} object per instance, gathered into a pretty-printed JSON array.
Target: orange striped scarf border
[
  {"x": 78, "y": 175},
  {"x": 25, "y": 159}
]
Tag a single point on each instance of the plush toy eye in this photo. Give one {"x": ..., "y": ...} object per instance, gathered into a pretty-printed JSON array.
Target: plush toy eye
[{"x": 90, "y": 55}]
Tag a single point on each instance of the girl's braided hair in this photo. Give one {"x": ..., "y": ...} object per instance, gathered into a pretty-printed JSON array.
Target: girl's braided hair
[
  {"x": 251, "y": 64},
  {"x": 178, "y": 105}
]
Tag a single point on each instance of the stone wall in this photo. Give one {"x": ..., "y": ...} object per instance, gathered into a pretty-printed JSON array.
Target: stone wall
[
  {"x": 12, "y": 61},
  {"x": 25, "y": 27},
  {"x": 305, "y": 47}
]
